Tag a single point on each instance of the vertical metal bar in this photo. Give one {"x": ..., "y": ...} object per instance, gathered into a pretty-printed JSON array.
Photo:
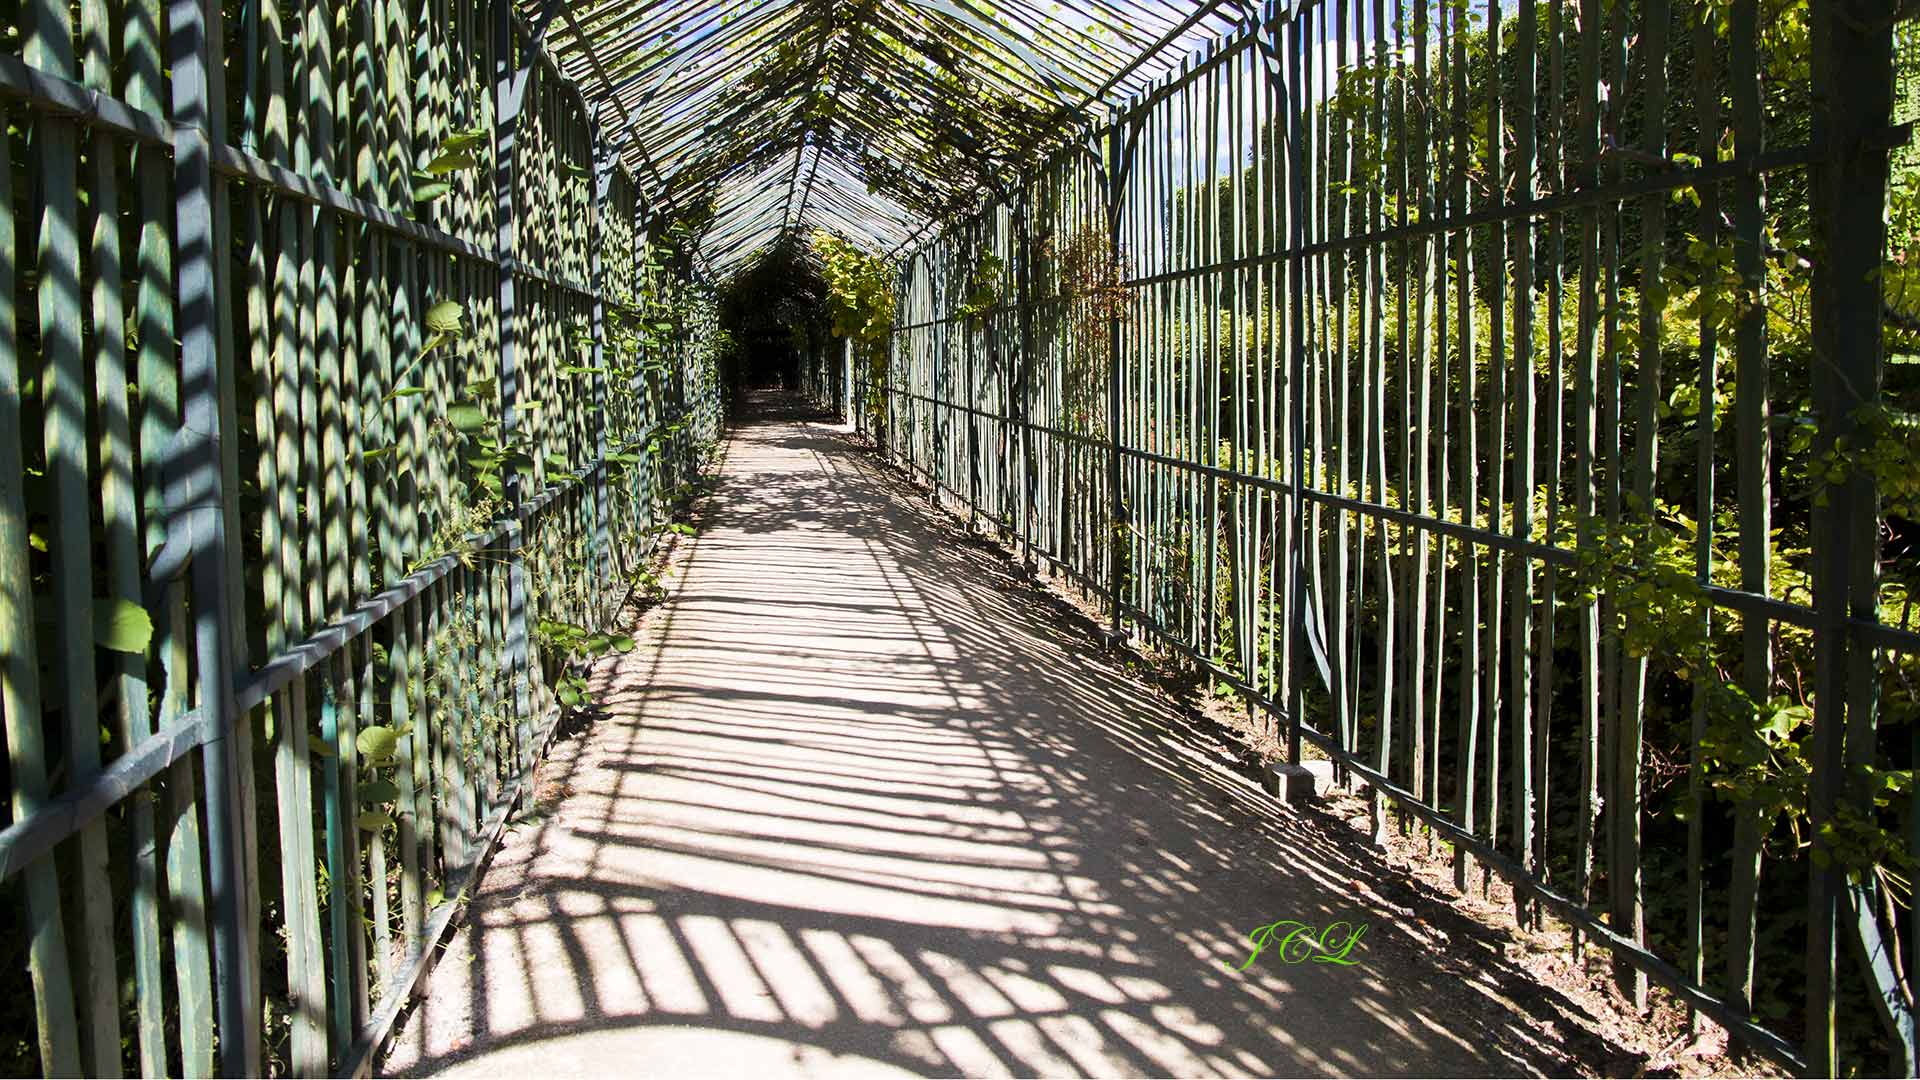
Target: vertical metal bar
[
  {"x": 153, "y": 316},
  {"x": 1495, "y": 298},
  {"x": 1555, "y": 177},
  {"x": 118, "y": 516},
  {"x": 513, "y": 68},
  {"x": 365, "y": 379},
  {"x": 936, "y": 464},
  {"x": 1431, "y": 498},
  {"x": 1628, "y": 915},
  {"x": 343, "y": 904},
  {"x": 63, "y": 384},
  {"x": 1022, "y": 388},
  {"x": 259, "y": 319},
  {"x": 20, "y": 703},
  {"x": 1258, "y": 366},
  {"x": 1385, "y": 623},
  {"x": 1520, "y": 597},
  {"x": 306, "y": 970},
  {"x": 1707, "y": 113},
  {"x": 227, "y": 380},
  {"x": 1607, "y": 460},
  {"x": 1853, "y": 96},
  {"x": 1439, "y": 162},
  {"x": 597, "y": 326},
  {"x": 1753, "y": 476},
  {"x": 1246, "y": 327},
  {"x": 399, "y": 38},
  {"x": 1468, "y": 748},
  {"x": 259, "y": 323},
  {"x": 159, "y": 379},
  {"x": 1297, "y": 45},
  {"x": 1207, "y": 291},
  {"x": 1116, "y": 180},
  {"x": 1586, "y": 378},
  {"x": 197, "y": 506},
  {"x": 1341, "y": 600}
]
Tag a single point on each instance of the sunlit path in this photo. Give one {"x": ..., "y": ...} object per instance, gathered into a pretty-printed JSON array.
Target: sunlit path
[{"x": 862, "y": 809}]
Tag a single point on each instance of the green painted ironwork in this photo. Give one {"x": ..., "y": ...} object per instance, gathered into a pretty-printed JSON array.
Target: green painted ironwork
[
  {"x": 1378, "y": 410},
  {"x": 205, "y": 245},
  {"x": 1261, "y": 346}
]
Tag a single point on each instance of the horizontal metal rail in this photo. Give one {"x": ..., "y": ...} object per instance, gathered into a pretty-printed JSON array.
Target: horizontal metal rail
[
  {"x": 1876, "y": 634},
  {"x": 273, "y": 676},
  {"x": 34, "y": 836},
  {"x": 1653, "y": 183},
  {"x": 24, "y": 841}
]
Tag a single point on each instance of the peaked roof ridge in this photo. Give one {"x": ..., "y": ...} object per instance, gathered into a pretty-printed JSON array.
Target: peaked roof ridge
[{"x": 873, "y": 119}]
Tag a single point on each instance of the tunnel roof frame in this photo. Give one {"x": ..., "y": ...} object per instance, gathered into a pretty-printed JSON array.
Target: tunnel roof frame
[{"x": 762, "y": 122}]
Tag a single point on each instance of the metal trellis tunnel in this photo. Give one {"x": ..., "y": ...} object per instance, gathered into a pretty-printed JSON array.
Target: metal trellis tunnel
[{"x": 1497, "y": 395}]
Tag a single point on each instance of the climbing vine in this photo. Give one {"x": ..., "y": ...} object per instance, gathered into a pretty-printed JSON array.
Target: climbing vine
[
  {"x": 1089, "y": 278},
  {"x": 1754, "y": 754},
  {"x": 983, "y": 286},
  {"x": 860, "y": 306}
]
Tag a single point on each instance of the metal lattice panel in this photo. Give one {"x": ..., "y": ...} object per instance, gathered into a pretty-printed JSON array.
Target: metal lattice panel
[{"x": 869, "y": 119}]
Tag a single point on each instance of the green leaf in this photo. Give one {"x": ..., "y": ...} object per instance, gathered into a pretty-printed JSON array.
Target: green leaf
[
  {"x": 320, "y": 747},
  {"x": 465, "y": 139},
  {"x": 373, "y": 820},
  {"x": 121, "y": 625},
  {"x": 377, "y": 742},
  {"x": 466, "y": 417},
  {"x": 377, "y": 791},
  {"x": 407, "y": 391},
  {"x": 451, "y": 161},
  {"x": 444, "y": 317},
  {"x": 431, "y": 190}
]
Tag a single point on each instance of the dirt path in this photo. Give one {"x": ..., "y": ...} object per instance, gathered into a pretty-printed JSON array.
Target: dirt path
[{"x": 865, "y": 807}]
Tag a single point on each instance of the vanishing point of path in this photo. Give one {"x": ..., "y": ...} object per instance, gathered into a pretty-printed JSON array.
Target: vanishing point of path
[{"x": 863, "y": 806}]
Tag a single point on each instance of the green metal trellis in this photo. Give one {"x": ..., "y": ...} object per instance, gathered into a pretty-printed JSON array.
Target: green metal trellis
[
  {"x": 1361, "y": 422},
  {"x": 278, "y": 496},
  {"x": 1337, "y": 412}
]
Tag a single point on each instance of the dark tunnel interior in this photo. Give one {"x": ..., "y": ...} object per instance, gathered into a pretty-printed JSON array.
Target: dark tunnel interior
[{"x": 774, "y": 315}]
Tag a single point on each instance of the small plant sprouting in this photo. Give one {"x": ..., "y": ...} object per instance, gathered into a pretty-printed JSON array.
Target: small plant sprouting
[{"x": 574, "y": 643}]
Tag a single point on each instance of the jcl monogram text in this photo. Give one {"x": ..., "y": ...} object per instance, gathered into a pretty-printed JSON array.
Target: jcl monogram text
[{"x": 1297, "y": 942}]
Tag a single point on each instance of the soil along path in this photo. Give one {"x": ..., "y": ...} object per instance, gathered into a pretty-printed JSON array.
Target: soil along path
[{"x": 864, "y": 806}]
